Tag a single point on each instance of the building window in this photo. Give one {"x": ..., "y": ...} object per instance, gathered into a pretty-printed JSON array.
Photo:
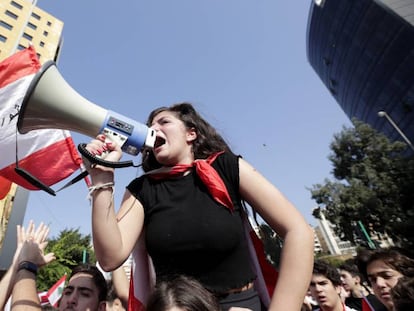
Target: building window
[
  {"x": 21, "y": 47},
  {"x": 27, "y": 36},
  {"x": 42, "y": 44},
  {"x": 49, "y": 23},
  {"x": 45, "y": 33},
  {"x": 3, "y": 38},
  {"x": 6, "y": 25},
  {"x": 36, "y": 16},
  {"x": 16, "y": 5},
  {"x": 11, "y": 14},
  {"x": 32, "y": 26}
]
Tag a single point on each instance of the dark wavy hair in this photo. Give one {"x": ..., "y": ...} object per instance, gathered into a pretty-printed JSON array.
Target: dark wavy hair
[
  {"x": 321, "y": 267},
  {"x": 183, "y": 292},
  {"x": 208, "y": 140},
  {"x": 403, "y": 294},
  {"x": 396, "y": 258},
  {"x": 351, "y": 269}
]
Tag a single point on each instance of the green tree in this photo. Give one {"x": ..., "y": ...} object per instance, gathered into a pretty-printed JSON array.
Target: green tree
[
  {"x": 69, "y": 248},
  {"x": 374, "y": 185}
]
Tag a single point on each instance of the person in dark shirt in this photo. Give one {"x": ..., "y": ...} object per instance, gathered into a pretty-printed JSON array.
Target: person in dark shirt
[
  {"x": 189, "y": 203},
  {"x": 352, "y": 281}
]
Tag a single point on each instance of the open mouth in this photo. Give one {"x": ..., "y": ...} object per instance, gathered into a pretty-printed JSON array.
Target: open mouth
[
  {"x": 159, "y": 141},
  {"x": 321, "y": 299}
]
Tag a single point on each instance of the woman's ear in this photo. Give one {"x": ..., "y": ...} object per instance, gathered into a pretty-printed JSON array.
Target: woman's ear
[{"x": 191, "y": 135}]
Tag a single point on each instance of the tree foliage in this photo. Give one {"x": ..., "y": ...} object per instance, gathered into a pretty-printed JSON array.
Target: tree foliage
[
  {"x": 70, "y": 249},
  {"x": 374, "y": 183}
]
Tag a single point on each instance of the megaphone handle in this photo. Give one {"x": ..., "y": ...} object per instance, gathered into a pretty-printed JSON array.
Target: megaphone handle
[{"x": 82, "y": 149}]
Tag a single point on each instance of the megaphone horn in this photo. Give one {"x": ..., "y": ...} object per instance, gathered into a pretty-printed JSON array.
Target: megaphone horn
[{"x": 51, "y": 103}]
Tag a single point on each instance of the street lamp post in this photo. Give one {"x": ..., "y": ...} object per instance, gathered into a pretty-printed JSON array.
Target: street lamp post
[{"x": 384, "y": 114}]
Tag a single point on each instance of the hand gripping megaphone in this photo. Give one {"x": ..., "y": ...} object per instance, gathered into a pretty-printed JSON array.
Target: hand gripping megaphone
[{"x": 51, "y": 103}]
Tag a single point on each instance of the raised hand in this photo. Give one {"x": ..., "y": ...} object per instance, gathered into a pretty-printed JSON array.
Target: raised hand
[{"x": 31, "y": 244}]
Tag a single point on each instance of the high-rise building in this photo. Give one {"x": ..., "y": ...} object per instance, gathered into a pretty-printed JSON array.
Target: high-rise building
[
  {"x": 22, "y": 23},
  {"x": 329, "y": 241},
  {"x": 363, "y": 51}
]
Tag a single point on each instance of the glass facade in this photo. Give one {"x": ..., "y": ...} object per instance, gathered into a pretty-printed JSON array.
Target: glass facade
[{"x": 363, "y": 51}]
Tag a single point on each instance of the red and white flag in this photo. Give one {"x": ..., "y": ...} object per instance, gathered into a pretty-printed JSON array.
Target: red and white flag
[
  {"x": 366, "y": 306},
  {"x": 5, "y": 186},
  {"x": 48, "y": 155},
  {"x": 43, "y": 298},
  {"x": 55, "y": 292},
  {"x": 142, "y": 279}
]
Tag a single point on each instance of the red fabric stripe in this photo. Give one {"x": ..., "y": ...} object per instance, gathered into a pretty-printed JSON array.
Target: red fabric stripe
[
  {"x": 270, "y": 273},
  {"x": 133, "y": 303},
  {"x": 5, "y": 186},
  {"x": 16, "y": 66},
  {"x": 366, "y": 305},
  {"x": 207, "y": 174},
  {"x": 52, "y": 164}
]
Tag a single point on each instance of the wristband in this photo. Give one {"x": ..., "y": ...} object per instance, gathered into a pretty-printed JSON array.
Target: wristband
[{"x": 27, "y": 265}]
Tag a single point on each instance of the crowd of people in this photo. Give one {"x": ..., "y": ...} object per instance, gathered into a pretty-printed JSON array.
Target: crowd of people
[
  {"x": 186, "y": 214},
  {"x": 380, "y": 280},
  {"x": 386, "y": 283}
]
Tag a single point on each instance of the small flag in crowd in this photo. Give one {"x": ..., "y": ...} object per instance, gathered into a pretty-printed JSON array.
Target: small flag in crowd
[
  {"x": 366, "y": 306},
  {"x": 43, "y": 298},
  {"x": 55, "y": 292},
  {"x": 48, "y": 155}
]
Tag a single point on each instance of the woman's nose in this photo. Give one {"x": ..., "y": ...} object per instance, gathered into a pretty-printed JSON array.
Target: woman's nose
[
  {"x": 155, "y": 127},
  {"x": 380, "y": 282}
]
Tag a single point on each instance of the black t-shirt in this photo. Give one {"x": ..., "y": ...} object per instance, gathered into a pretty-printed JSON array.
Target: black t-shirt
[
  {"x": 356, "y": 303},
  {"x": 188, "y": 232}
]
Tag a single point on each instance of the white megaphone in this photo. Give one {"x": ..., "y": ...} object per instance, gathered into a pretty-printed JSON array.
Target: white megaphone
[{"x": 51, "y": 103}]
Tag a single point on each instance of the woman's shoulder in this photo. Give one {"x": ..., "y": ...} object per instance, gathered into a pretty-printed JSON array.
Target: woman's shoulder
[
  {"x": 137, "y": 183},
  {"x": 227, "y": 157}
]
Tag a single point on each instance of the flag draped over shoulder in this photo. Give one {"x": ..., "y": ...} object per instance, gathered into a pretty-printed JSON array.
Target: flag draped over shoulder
[
  {"x": 55, "y": 292},
  {"x": 49, "y": 155}
]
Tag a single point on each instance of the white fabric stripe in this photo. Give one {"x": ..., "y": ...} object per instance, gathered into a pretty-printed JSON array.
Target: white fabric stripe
[{"x": 11, "y": 97}]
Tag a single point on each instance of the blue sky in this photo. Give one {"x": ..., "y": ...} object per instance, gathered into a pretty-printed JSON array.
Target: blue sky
[{"x": 241, "y": 63}]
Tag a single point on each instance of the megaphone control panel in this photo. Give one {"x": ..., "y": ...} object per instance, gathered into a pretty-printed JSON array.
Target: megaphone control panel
[
  {"x": 121, "y": 125},
  {"x": 129, "y": 134}
]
